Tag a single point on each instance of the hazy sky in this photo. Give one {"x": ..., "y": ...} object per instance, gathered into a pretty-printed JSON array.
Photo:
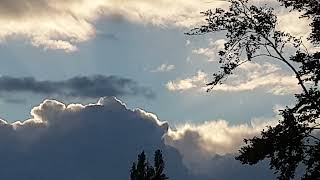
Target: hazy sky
[{"x": 77, "y": 51}]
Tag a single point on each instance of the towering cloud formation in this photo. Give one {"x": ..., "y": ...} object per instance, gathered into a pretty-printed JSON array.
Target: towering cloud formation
[{"x": 100, "y": 141}]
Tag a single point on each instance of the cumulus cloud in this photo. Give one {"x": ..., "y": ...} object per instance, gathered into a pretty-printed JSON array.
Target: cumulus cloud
[
  {"x": 82, "y": 86},
  {"x": 199, "y": 143},
  {"x": 101, "y": 140},
  {"x": 164, "y": 68},
  {"x": 95, "y": 141},
  {"x": 249, "y": 76}
]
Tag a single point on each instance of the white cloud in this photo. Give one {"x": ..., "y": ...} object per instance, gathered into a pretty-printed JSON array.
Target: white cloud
[
  {"x": 164, "y": 68},
  {"x": 199, "y": 143},
  {"x": 212, "y": 51},
  {"x": 248, "y": 77},
  {"x": 188, "y": 42},
  {"x": 194, "y": 82},
  {"x": 290, "y": 22},
  {"x": 252, "y": 76}
]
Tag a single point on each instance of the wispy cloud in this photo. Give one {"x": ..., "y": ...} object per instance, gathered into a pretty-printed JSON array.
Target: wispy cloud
[
  {"x": 250, "y": 76},
  {"x": 164, "y": 68},
  {"x": 268, "y": 77},
  {"x": 194, "y": 82},
  {"x": 211, "y": 52}
]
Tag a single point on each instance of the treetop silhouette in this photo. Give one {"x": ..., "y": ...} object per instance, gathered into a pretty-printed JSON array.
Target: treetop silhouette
[{"x": 143, "y": 171}]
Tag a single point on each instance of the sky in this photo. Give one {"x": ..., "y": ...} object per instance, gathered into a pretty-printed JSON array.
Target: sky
[{"x": 77, "y": 76}]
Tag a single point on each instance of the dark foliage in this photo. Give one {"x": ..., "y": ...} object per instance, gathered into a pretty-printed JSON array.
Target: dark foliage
[
  {"x": 251, "y": 34},
  {"x": 143, "y": 171}
]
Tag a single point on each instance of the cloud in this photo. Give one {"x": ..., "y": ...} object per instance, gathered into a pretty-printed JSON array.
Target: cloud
[
  {"x": 82, "y": 86},
  {"x": 212, "y": 51},
  {"x": 188, "y": 42},
  {"x": 248, "y": 77},
  {"x": 60, "y": 24},
  {"x": 194, "y": 82},
  {"x": 50, "y": 24},
  {"x": 290, "y": 22},
  {"x": 96, "y": 141},
  {"x": 101, "y": 140},
  {"x": 164, "y": 68},
  {"x": 199, "y": 143},
  {"x": 266, "y": 76}
]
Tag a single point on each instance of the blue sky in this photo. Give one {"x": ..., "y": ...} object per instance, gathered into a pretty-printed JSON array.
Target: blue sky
[{"x": 134, "y": 50}]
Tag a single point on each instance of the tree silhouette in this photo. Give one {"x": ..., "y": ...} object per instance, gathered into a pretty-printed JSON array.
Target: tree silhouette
[
  {"x": 142, "y": 171},
  {"x": 251, "y": 34},
  {"x": 159, "y": 166}
]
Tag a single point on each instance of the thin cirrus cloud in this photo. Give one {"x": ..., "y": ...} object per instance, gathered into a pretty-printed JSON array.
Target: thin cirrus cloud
[
  {"x": 249, "y": 76},
  {"x": 101, "y": 140},
  {"x": 60, "y": 24},
  {"x": 81, "y": 86}
]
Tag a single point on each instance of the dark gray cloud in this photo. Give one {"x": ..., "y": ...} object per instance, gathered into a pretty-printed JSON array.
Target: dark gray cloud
[
  {"x": 98, "y": 141},
  {"x": 82, "y": 86}
]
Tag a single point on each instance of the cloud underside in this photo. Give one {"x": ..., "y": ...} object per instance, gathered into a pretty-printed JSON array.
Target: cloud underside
[
  {"x": 101, "y": 140},
  {"x": 250, "y": 76},
  {"x": 82, "y": 86},
  {"x": 59, "y": 24}
]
